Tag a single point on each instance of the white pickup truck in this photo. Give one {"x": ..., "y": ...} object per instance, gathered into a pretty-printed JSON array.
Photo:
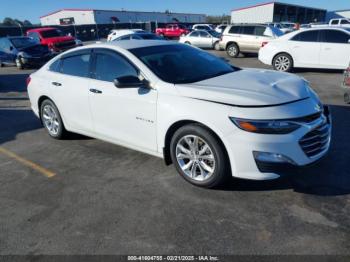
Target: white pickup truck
[{"x": 340, "y": 22}]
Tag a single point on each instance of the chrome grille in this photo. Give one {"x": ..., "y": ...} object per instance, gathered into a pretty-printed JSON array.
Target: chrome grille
[{"x": 316, "y": 141}]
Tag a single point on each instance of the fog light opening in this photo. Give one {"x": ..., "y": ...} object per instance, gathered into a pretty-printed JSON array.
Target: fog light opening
[{"x": 272, "y": 158}]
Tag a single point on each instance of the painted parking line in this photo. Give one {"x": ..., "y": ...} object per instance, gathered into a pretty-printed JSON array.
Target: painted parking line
[{"x": 27, "y": 163}]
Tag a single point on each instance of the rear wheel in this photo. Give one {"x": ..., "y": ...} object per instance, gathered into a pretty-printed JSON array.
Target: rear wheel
[
  {"x": 199, "y": 157},
  {"x": 217, "y": 46},
  {"x": 52, "y": 120},
  {"x": 232, "y": 50},
  {"x": 283, "y": 63}
]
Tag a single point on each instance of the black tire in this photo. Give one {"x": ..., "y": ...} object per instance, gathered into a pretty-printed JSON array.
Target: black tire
[
  {"x": 222, "y": 168},
  {"x": 1, "y": 64},
  {"x": 62, "y": 132},
  {"x": 217, "y": 46},
  {"x": 19, "y": 63},
  {"x": 347, "y": 98},
  {"x": 283, "y": 62},
  {"x": 233, "y": 50}
]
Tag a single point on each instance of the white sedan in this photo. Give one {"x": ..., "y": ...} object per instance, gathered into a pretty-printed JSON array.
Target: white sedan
[
  {"x": 202, "y": 39},
  {"x": 209, "y": 118},
  {"x": 327, "y": 48}
]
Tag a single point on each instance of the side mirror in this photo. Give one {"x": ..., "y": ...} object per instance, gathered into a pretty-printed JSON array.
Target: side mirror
[
  {"x": 129, "y": 82},
  {"x": 11, "y": 48}
]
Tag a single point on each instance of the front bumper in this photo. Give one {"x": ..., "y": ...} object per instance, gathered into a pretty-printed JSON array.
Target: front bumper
[
  {"x": 242, "y": 144},
  {"x": 35, "y": 61}
]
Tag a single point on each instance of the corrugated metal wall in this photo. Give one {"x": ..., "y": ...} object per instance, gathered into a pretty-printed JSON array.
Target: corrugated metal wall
[{"x": 257, "y": 14}]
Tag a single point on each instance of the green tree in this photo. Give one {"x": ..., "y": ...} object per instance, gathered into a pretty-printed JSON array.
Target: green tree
[
  {"x": 27, "y": 23},
  {"x": 8, "y": 21}
]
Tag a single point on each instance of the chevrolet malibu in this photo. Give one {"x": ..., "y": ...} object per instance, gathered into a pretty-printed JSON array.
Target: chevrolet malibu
[{"x": 210, "y": 119}]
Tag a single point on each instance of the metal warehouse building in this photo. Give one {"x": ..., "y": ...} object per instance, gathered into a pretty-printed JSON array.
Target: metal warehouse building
[
  {"x": 338, "y": 14},
  {"x": 277, "y": 12},
  {"x": 91, "y": 16}
]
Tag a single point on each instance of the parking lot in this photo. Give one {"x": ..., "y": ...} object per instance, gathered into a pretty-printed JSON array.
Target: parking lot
[{"x": 84, "y": 196}]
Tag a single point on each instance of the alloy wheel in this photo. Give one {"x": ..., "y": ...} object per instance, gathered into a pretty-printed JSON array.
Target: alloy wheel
[
  {"x": 51, "y": 120},
  {"x": 195, "y": 157},
  {"x": 232, "y": 51},
  {"x": 282, "y": 63}
]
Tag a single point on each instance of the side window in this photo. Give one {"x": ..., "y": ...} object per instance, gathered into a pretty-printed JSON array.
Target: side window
[
  {"x": 248, "y": 30},
  {"x": 344, "y": 22},
  {"x": 260, "y": 30},
  {"x": 234, "y": 30},
  {"x": 125, "y": 37},
  {"x": 194, "y": 34},
  {"x": 136, "y": 37},
  {"x": 76, "y": 65},
  {"x": 111, "y": 65},
  {"x": 309, "y": 36},
  {"x": 335, "y": 36},
  {"x": 203, "y": 34},
  {"x": 55, "y": 66},
  {"x": 335, "y": 22}
]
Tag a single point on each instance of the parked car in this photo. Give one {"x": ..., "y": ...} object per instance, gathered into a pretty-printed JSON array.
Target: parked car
[
  {"x": 247, "y": 38},
  {"x": 211, "y": 119},
  {"x": 206, "y": 27},
  {"x": 118, "y": 33},
  {"x": 202, "y": 38},
  {"x": 327, "y": 48},
  {"x": 284, "y": 28},
  {"x": 53, "y": 38},
  {"x": 346, "y": 85},
  {"x": 22, "y": 52},
  {"x": 220, "y": 28},
  {"x": 172, "y": 30}
]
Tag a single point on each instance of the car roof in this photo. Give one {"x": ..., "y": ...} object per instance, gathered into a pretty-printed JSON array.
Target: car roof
[
  {"x": 123, "y": 32},
  {"x": 41, "y": 29},
  {"x": 131, "y": 44}
]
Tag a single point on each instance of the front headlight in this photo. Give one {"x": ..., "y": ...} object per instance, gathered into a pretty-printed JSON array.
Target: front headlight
[{"x": 278, "y": 127}]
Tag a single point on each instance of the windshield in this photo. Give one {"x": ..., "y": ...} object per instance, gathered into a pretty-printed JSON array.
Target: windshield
[
  {"x": 51, "y": 33},
  {"x": 179, "y": 64},
  {"x": 214, "y": 33},
  {"x": 22, "y": 42}
]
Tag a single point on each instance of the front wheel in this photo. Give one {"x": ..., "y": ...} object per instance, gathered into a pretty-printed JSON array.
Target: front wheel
[
  {"x": 232, "y": 50},
  {"x": 52, "y": 120},
  {"x": 19, "y": 63},
  {"x": 283, "y": 63},
  {"x": 199, "y": 157}
]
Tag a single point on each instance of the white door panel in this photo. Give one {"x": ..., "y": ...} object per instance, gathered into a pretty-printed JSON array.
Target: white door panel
[
  {"x": 335, "y": 55},
  {"x": 124, "y": 114},
  {"x": 305, "y": 53}
]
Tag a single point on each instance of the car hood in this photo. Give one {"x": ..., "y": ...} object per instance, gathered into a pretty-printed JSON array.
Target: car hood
[
  {"x": 35, "y": 50},
  {"x": 249, "y": 87},
  {"x": 59, "y": 39}
]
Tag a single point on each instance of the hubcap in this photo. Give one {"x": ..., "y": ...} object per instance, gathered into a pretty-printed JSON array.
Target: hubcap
[
  {"x": 50, "y": 120},
  {"x": 195, "y": 157},
  {"x": 282, "y": 63},
  {"x": 232, "y": 51}
]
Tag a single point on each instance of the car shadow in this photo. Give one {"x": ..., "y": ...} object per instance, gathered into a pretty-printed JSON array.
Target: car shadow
[
  {"x": 329, "y": 177},
  {"x": 13, "y": 83}
]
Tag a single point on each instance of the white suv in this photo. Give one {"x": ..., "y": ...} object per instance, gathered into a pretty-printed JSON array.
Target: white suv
[
  {"x": 209, "y": 118},
  {"x": 247, "y": 38}
]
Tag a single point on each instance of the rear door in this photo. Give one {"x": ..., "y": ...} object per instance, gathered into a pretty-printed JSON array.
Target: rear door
[
  {"x": 70, "y": 90},
  {"x": 205, "y": 39},
  {"x": 247, "y": 40},
  {"x": 305, "y": 49},
  {"x": 194, "y": 38},
  {"x": 335, "y": 49}
]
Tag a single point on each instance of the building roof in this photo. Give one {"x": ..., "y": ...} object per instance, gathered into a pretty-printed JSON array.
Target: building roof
[
  {"x": 274, "y": 2},
  {"x": 104, "y": 10}
]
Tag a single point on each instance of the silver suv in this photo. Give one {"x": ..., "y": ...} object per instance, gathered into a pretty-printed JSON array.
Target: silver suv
[{"x": 247, "y": 38}]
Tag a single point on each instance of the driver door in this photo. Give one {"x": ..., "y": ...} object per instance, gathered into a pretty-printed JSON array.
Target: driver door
[{"x": 121, "y": 115}]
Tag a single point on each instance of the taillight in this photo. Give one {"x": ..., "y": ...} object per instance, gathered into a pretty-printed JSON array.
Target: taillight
[
  {"x": 28, "y": 80},
  {"x": 347, "y": 77},
  {"x": 264, "y": 44}
]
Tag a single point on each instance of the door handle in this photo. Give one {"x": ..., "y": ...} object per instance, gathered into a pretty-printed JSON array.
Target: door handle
[
  {"x": 95, "y": 91},
  {"x": 56, "y": 84}
]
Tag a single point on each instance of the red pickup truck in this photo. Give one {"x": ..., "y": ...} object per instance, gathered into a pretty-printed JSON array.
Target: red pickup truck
[
  {"x": 172, "y": 30},
  {"x": 53, "y": 38}
]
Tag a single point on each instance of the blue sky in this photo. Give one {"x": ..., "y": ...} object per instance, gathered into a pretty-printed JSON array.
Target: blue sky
[{"x": 33, "y": 9}]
